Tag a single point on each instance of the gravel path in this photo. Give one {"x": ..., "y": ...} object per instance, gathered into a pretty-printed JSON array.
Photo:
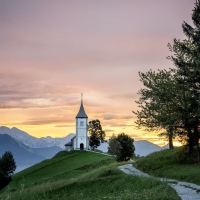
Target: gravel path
[{"x": 185, "y": 191}]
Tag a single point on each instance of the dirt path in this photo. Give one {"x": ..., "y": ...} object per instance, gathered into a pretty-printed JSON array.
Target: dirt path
[{"x": 185, "y": 191}]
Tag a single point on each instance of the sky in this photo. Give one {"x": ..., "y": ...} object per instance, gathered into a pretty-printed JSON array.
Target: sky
[{"x": 52, "y": 51}]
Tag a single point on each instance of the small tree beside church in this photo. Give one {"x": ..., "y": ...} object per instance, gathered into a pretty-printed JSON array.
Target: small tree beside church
[{"x": 96, "y": 134}]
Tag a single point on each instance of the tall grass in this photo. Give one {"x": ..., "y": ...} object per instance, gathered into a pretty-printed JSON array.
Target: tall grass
[
  {"x": 169, "y": 163},
  {"x": 89, "y": 176}
]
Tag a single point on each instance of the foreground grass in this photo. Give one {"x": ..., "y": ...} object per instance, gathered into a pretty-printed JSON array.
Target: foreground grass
[
  {"x": 83, "y": 175},
  {"x": 167, "y": 164}
]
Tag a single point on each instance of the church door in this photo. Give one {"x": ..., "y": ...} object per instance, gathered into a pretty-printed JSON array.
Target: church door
[{"x": 81, "y": 146}]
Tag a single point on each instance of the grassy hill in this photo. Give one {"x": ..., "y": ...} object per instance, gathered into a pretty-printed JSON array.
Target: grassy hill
[
  {"x": 170, "y": 163},
  {"x": 82, "y": 175}
]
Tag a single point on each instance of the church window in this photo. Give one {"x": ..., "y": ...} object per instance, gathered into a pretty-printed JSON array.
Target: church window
[{"x": 81, "y": 123}]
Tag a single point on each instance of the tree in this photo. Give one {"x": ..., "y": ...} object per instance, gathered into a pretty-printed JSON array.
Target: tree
[
  {"x": 96, "y": 134},
  {"x": 121, "y": 147},
  {"x": 157, "y": 103},
  {"x": 7, "y": 167},
  {"x": 171, "y": 99},
  {"x": 113, "y": 147},
  {"x": 186, "y": 58}
]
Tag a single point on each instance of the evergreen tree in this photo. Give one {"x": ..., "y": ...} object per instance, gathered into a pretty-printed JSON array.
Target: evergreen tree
[
  {"x": 7, "y": 167},
  {"x": 187, "y": 60}
]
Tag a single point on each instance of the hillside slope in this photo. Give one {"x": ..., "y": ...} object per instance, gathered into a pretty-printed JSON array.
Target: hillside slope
[
  {"x": 170, "y": 163},
  {"x": 82, "y": 175}
]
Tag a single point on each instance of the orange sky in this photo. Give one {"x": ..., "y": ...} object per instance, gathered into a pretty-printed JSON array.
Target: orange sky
[{"x": 51, "y": 51}]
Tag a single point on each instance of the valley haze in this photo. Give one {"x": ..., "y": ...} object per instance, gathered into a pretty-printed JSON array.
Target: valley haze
[{"x": 29, "y": 150}]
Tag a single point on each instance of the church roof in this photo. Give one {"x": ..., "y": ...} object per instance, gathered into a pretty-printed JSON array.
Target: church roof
[
  {"x": 81, "y": 113},
  {"x": 69, "y": 144}
]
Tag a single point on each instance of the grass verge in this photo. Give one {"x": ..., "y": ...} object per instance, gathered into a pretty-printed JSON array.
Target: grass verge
[
  {"x": 167, "y": 164},
  {"x": 83, "y": 175}
]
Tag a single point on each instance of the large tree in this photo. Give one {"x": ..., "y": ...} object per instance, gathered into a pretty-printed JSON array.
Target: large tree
[
  {"x": 157, "y": 103},
  {"x": 174, "y": 102},
  {"x": 186, "y": 58},
  {"x": 7, "y": 167},
  {"x": 96, "y": 134}
]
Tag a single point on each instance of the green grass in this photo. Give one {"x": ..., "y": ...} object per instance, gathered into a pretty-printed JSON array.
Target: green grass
[
  {"x": 169, "y": 164},
  {"x": 82, "y": 175}
]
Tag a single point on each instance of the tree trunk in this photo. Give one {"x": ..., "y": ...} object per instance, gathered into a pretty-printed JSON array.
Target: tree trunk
[
  {"x": 197, "y": 137},
  {"x": 190, "y": 141},
  {"x": 171, "y": 146}
]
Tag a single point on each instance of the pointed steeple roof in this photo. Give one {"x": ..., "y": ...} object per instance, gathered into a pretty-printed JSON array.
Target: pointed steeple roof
[{"x": 81, "y": 113}]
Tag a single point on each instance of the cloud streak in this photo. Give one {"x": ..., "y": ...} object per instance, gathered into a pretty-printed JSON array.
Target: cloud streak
[{"x": 48, "y": 59}]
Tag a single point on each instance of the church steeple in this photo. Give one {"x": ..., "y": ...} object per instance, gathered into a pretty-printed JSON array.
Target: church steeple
[{"x": 81, "y": 113}]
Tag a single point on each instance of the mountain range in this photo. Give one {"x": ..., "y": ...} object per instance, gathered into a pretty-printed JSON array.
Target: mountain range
[
  {"x": 34, "y": 142},
  {"x": 28, "y": 150},
  {"x": 24, "y": 155}
]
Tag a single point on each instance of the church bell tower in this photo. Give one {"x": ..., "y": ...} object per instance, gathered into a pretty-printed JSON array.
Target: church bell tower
[{"x": 82, "y": 141}]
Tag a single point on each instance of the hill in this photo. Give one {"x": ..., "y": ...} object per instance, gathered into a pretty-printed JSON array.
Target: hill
[
  {"x": 170, "y": 163},
  {"x": 82, "y": 175},
  {"x": 24, "y": 155}
]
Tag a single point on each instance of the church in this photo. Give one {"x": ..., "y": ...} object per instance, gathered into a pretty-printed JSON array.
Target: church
[{"x": 81, "y": 140}]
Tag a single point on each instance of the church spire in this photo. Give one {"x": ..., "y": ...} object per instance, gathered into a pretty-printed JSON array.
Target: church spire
[
  {"x": 81, "y": 98},
  {"x": 81, "y": 113}
]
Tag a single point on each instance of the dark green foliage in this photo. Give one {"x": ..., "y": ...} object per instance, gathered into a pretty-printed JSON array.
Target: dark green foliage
[
  {"x": 7, "y": 167},
  {"x": 96, "y": 134},
  {"x": 121, "y": 147},
  {"x": 94, "y": 141},
  {"x": 113, "y": 147},
  {"x": 126, "y": 147},
  {"x": 157, "y": 104}
]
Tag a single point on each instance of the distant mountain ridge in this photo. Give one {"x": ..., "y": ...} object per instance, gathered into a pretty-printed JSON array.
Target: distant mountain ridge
[
  {"x": 142, "y": 147},
  {"x": 34, "y": 142},
  {"x": 24, "y": 155}
]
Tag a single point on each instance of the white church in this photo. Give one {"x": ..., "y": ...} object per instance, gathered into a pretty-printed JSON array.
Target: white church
[{"x": 81, "y": 140}]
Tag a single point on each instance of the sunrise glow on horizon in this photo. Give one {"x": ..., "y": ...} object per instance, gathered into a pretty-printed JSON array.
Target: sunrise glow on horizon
[{"x": 52, "y": 52}]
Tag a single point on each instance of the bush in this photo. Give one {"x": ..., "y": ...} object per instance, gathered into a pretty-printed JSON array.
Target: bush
[{"x": 122, "y": 147}]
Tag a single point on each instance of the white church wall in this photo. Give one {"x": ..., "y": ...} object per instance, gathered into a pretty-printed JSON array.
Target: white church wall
[
  {"x": 81, "y": 132},
  {"x": 81, "y": 123},
  {"x": 74, "y": 143}
]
